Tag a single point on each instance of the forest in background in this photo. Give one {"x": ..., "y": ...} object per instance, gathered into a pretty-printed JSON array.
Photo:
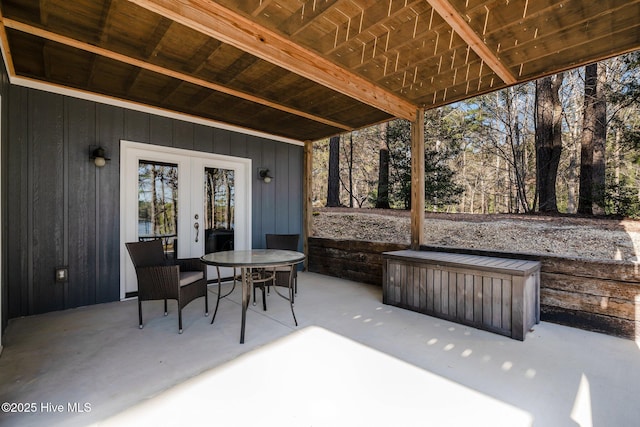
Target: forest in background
[{"x": 568, "y": 143}]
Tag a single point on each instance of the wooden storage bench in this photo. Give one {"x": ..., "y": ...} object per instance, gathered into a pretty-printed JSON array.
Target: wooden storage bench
[{"x": 495, "y": 294}]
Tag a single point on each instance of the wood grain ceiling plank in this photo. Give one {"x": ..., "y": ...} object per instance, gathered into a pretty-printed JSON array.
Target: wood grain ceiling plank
[
  {"x": 237, "y": 68},
  {"x": 542, "y": 18},
  {"x": 6, "y": 49},
  {"x": 132, "y": 79},
  {"x": 199, "y": 60},
  {"x": 257, "y": 77},
  {"x": 573, "y": 55},
  {"x": 400, "y": 47},
  {"x": 229, "y": 27},
  {"x": 44, "y": 12},
  {"x": 196, "y": 100},
  {"x": 457, "y": 22},
  {"x": 261, "y": 6},
  {"x": 169, "y": 90},
  {"x": 107, "y": 12},
  {"x": 380, "y": 18},
  {"x": 159, "y": 32},
  {"x": 111, "y": 78},
  {"x": 164, "y": 71},
  {"x": 305, "y": 16},
  {"x": 577, "y": 22}
]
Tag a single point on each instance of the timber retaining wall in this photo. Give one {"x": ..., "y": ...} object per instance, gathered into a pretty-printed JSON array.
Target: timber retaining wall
[{"x": 600, "y": 296}]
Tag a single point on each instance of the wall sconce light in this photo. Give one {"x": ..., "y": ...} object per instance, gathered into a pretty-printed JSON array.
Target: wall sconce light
[
  {"x": 98, "y": 155},
  {"x": 264, "y": 175}
]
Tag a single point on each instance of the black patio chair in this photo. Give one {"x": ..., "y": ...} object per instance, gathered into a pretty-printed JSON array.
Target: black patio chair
[
  {"x": 181, "y": 279},
  {"x": 287, "y": 242}
]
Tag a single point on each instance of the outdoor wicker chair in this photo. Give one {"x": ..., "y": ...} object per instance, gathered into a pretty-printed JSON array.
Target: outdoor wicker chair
[
  {"x": 288, "y": 242},
  {"x": 182, "y": 280}
]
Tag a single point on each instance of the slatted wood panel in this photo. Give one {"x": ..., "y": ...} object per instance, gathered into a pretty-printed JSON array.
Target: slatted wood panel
[{"x": 499, "y": 295}]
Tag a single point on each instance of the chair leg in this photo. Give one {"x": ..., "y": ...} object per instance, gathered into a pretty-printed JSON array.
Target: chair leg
[
  {"x": 217, "y": 301},
  {"x": 254, "y": 295},
  {"x": 291, "y": 295},
  {"x": 165, "y": 308},
  {"x": 264, "y": 298},
  {"x": 292, "y": 292},
  {"x": 140, "y": 313},
  {"x": 219, "y": 295},
  {"x": 179, "y": 318},
  {"x": 215, "y": 311},
  {"x": 206, "y": 301}
]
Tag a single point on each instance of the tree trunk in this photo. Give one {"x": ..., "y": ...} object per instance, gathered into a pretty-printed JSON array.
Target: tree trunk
[
  {"x": 382, "y": 201},
  {"x": 548, "y": 140},
  {"x": 616, "y": 169},
  {"x": 333, "y": 180},
  {"x": 351, "y": 195},
  {"x": 572, "y": 178},
  {"x": 498, "y": 191},
  {"x": 599, "y": 142},
  {"x": 154, "y": 200},
  {"x": 589, "y": 126}
]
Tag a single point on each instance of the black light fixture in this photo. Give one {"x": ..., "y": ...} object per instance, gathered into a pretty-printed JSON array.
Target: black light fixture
[
  {"x": 98, "y": 155},
  {"x": 264, "y": 175}
]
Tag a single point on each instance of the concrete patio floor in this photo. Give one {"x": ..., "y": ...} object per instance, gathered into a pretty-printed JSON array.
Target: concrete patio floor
[{"x": 84, "y": 366}]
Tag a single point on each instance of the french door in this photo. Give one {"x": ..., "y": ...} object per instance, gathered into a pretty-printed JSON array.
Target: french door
[{"x": 194, "y": 202}]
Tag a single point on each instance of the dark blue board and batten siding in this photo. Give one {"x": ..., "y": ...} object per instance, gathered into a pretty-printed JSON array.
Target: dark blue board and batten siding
[{"x": 63, "y": 211}]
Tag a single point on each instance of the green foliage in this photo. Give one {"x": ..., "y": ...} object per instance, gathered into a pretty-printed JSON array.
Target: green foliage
[
  {"x": 443, "y": 135},
  {"x": 621, "y": 199}
]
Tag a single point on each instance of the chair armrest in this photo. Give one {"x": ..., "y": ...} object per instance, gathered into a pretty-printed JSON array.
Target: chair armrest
[
  {"x": 191, "y": 264},
  {"x": 161, "y": 281}
]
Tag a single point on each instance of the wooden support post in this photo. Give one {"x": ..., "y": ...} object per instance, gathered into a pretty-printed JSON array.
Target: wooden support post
[
  {"x": 417, "y": 180},
  {"x": 307, "y": 193}
]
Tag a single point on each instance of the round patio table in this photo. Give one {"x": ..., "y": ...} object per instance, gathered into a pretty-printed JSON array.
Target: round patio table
[{"x": 253, "y": 265}]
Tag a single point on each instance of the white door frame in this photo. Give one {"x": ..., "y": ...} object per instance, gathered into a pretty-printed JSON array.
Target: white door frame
[{"x": 188, "y": 163}]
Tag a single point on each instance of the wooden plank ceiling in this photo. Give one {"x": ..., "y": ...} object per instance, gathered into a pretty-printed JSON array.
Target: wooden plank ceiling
[{"x": 307, "y": 69}]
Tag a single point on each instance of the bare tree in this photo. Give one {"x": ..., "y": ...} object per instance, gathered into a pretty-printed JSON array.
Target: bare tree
[
  {"x": 600, "y": 142},
  {"x": 348, "y": 160},
  {"x": 384, "y": 158},
  {"x": 592, "y": 147},
  {"x": 333, "y": 180},
  {"x": 548, "y": 140},
  {"x": 505, "y": 134}
]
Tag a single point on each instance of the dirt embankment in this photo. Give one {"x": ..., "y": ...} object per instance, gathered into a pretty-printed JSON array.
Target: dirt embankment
[{"x": 591, "y": 238}]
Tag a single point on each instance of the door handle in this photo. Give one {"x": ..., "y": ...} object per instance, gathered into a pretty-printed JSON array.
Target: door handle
[{"x": 197, "y": 227}]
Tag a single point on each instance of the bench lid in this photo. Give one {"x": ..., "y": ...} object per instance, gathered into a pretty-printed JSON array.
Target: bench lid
[{"x": 480, "y": 262}]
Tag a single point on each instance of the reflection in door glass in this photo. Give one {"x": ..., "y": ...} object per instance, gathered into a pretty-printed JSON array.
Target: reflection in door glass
[
  {"x": 219, "y": 209},
  {"x": 158, "y": 204}
]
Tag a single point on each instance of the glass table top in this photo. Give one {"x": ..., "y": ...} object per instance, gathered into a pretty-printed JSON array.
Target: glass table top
[{"x": 253, "y": 258}]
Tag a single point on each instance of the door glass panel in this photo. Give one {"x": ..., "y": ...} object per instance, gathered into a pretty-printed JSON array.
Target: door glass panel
[
  {"x": 158, "y": 204},
  {"x": 219, "y": 209}
]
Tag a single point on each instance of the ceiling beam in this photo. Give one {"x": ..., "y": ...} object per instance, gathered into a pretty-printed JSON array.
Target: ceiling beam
[
  {"x": 25, "y": 28},
  {"x": 457, "y": 22},
  {"x": 218, "y": 22}
]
